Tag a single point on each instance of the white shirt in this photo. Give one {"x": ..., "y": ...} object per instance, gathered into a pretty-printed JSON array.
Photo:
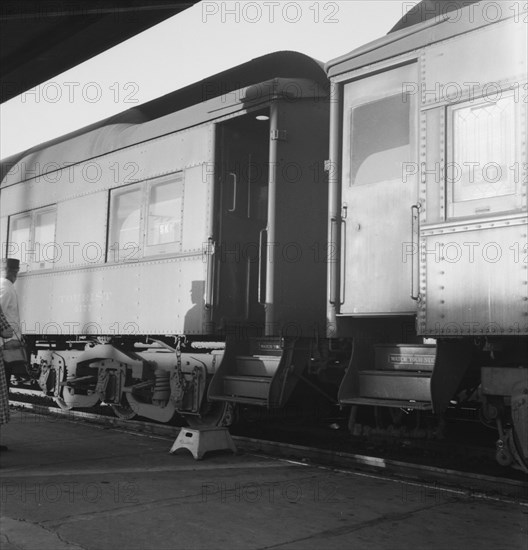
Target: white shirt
[{"x": 9, "y": 305}]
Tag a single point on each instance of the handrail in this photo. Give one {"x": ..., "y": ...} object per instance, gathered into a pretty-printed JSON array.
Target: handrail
[
  {"x": 261, "y": 278},
  {"x": 233, "y": 208},
  {"x": 333, "y": 261},
  {"x": 415, "y": 215},
  {"x": 209, "y": 252},
  {"x": 342, "y": 261}
]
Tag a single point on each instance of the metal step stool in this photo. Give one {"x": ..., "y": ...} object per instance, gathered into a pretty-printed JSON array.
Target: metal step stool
[{"x": 202, "y": 441}]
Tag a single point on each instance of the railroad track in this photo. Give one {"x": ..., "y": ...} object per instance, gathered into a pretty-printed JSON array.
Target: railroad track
[{"x": 471, "y": 484}]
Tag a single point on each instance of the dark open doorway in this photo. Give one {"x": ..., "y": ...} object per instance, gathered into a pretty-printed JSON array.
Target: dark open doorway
[{"x": 241, "y": 211}]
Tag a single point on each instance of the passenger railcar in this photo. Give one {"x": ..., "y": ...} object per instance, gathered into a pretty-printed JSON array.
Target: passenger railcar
[
  {"x": 191, "y": 216},
  {"x": 428, "y": 208}
]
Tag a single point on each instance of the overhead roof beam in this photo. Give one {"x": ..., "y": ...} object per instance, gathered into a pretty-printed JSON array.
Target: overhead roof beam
[{"x": 39, "y": 40}]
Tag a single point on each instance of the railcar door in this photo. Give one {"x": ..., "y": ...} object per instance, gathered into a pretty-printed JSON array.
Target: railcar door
[
  {"x": 241, "y": 209},
  {"x": 378, "y": 189}
]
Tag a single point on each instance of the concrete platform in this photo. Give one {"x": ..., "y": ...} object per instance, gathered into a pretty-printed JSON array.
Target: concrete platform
[{"x": 74, "y": 486}]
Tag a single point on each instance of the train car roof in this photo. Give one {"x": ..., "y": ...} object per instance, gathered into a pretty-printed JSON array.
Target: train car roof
[
  {"x": 107, "y": 135},
  {"x": 429, "y": 9},
  {"x": 428, "y": 22}
]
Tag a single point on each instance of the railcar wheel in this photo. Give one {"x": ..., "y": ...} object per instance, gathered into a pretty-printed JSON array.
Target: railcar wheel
[
  {"x": 503, "y": 454},
  {"x": 62, "y": 404},
  {"x": 218, "y": 414},
  {"x": 123, "y": 410},
  {"x": 518, "y": 451}
]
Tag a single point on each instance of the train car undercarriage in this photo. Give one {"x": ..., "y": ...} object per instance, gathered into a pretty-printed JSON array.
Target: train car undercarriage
[{"x": 210, "y": 383}]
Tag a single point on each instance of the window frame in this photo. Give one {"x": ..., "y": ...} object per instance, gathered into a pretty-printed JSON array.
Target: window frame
[
  {"x": 143, "y": 250},
  {"x": 28, "y": 258},
  {"x": 354, "y": 133},
  {"x": 171, "y": 246},
  {"x": 368, "y": 89},
  {"x": 114, "y": 253},
  {"x": 483, "y": 205}
]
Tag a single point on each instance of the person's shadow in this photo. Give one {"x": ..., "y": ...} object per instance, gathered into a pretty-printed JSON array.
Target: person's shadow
[{"x": 194, "y": 317}]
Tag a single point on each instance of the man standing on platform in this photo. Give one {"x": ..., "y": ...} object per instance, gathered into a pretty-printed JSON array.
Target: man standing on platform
[
  {"x": 8, "y": 295},
  {"x": 5, "y": 332},
  {"x": 9, "y": 305}
]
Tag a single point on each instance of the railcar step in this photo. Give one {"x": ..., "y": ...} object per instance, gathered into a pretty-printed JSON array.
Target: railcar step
[
  {"x": 396, "y": 403},
  {"x": 251, "y": 378},
  {"x": 396, "y": 373},
  {"x": 403, "y": 357},
  {"x": 245, "y": 400},
  {"x": 266, "y": 346},
  {"x": 199, "y": 442},
  {"x": 261, "y": 371},
  {"x": 399, "y": 385},
  {"x": 253, "y": 387},
  {"x": 250, "y": 365}
]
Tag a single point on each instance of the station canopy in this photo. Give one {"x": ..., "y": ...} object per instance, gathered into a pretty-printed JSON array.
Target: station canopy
[{"x": 41, "y": 39}]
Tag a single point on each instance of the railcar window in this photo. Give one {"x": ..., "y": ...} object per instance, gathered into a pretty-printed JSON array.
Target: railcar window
[
  {"x": 32, "y": 238},
  {"x": 379, "y": 127},
  {"x": 146, "y": 219},
  {"x": 380, "y": 139},
  {"x": 480, "y": 173},
  {"x": 164, "y": 212},
  {"x": 19, "y": 233},
  {"x": 44, "y": 237},
  {"x": 125, "y": 220}
]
